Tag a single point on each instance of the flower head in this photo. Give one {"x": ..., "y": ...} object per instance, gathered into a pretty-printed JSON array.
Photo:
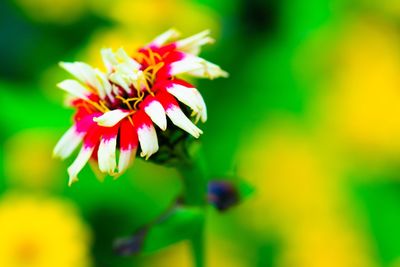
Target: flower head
[{"x": 118, "y": 109}]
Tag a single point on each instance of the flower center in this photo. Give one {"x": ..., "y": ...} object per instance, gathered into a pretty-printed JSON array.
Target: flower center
[
  {"x": 131, "y": 101},
  {"x": 151, "y": 63}
]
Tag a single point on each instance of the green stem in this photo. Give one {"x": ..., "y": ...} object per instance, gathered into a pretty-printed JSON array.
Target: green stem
[{"x": 195, "y": 192}]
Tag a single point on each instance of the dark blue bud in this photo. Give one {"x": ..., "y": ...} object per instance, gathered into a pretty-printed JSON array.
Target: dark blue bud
[{"x": 223, "y": 194}]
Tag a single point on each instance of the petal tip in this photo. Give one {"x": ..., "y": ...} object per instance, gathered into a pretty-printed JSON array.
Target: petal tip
[{"x": 72, "y": 180}]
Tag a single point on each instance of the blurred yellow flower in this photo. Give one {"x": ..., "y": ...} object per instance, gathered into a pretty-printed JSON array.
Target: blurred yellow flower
[
  {"x": 177, "y": 255},
  {"x": 388, "y": 7},
  {"x": 360, "y": 103},
  {"x": 114, "y": 38},
  {"x": 41, "y": 232},
  {"x": 132, "y": 29},
  {"x": 300, "y": 198},
  {"x": 60, "y": 12},
  {"x": 219, "y": 253},
  {"x": 152, "y": 17}
]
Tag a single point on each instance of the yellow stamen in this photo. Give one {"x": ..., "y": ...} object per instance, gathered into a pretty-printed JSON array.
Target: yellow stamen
[
  {"x": 98, "y": 106},
  {"x": 140, "y": 98},
  {"x": 125, "y": 101},
  {"x": 130, "y": 119}
]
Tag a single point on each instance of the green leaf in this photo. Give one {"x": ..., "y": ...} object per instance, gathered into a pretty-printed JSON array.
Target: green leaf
[{"x": 181, "y": 224}]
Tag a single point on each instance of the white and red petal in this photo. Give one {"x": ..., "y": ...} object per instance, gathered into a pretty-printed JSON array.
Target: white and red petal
[
  {"x": 78, "y": 164},
  {"x": 164, "y": 38},
  {"x": 128, "y": 145},
  {"x": 90, "y": 143},
  {"x": 146, "y": 134},
  {"x": 176, "y": 115},
  {"x": 155, "y": 111},
  {"x": 179, "y": 119},
  {"x": 197, "y": 67},
  {"x": 111, "y": 118},
  {"x": 106, "y": 154},
  {"x": 68, "y": 143},
  {"x": 92, "y": 137},
  {"x": 75, "y": 89},
  {"x": 193, "y": 43},
  {"x": 191, "y": 97}
]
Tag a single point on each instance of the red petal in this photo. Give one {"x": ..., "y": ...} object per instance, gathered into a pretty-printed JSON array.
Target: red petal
[
  {"x": 128, "y": 136},
  {"x": 182, "y": 82},
  {"x": 166, "y": 99},
  {"x": 92, "y": 137},
  {"x": 84, "y": 123},
  {"x": 140, "y": 119}
]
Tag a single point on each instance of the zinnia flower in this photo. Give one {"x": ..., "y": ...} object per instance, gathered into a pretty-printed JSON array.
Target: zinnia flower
[{"x": 118, "y": 108}]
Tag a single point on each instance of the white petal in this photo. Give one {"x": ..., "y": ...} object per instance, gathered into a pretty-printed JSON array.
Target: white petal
[
  {"x": 116, "y": 89},
  {"x": 84, "y": 73},
  {"x": 75, "y": 89},
  {"x": 121, "y": 80},
  {"x": 197, "y": 67},
  {"x": 111, "y": 118},
  {"x": 157, "y": 114},
  {"x": 79, "y": 163},
  {"x": 179, "y": 119},
  {"x": 104, "y": 83},
  {"x": 106, "y": 155},
  {"x": 109, "y": 58},
  {"x": 148, "y": 140},
  {"x": 112, "y": 60},
  {"x": 190, "y": 97},
  {"x": 203, "y": 110},
  {"x": 210, "y": 71},
  {"x": 123, "y": 57},
  {"x": 193, "y": 43},
  {"x": 125, "y": 159},
  {"x": 68, "y": 143},
  {"x": 75, "y": 69},
  {"x": 165, "y": 37}
]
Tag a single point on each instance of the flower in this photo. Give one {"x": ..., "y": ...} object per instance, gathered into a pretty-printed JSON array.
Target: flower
[
  {"x": 40, "y": 231},
  {"x": 117, "y": 108}
]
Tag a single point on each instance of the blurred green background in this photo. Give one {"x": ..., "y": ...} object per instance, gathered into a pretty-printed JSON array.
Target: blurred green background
[{"x": 309, "y": 116}]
